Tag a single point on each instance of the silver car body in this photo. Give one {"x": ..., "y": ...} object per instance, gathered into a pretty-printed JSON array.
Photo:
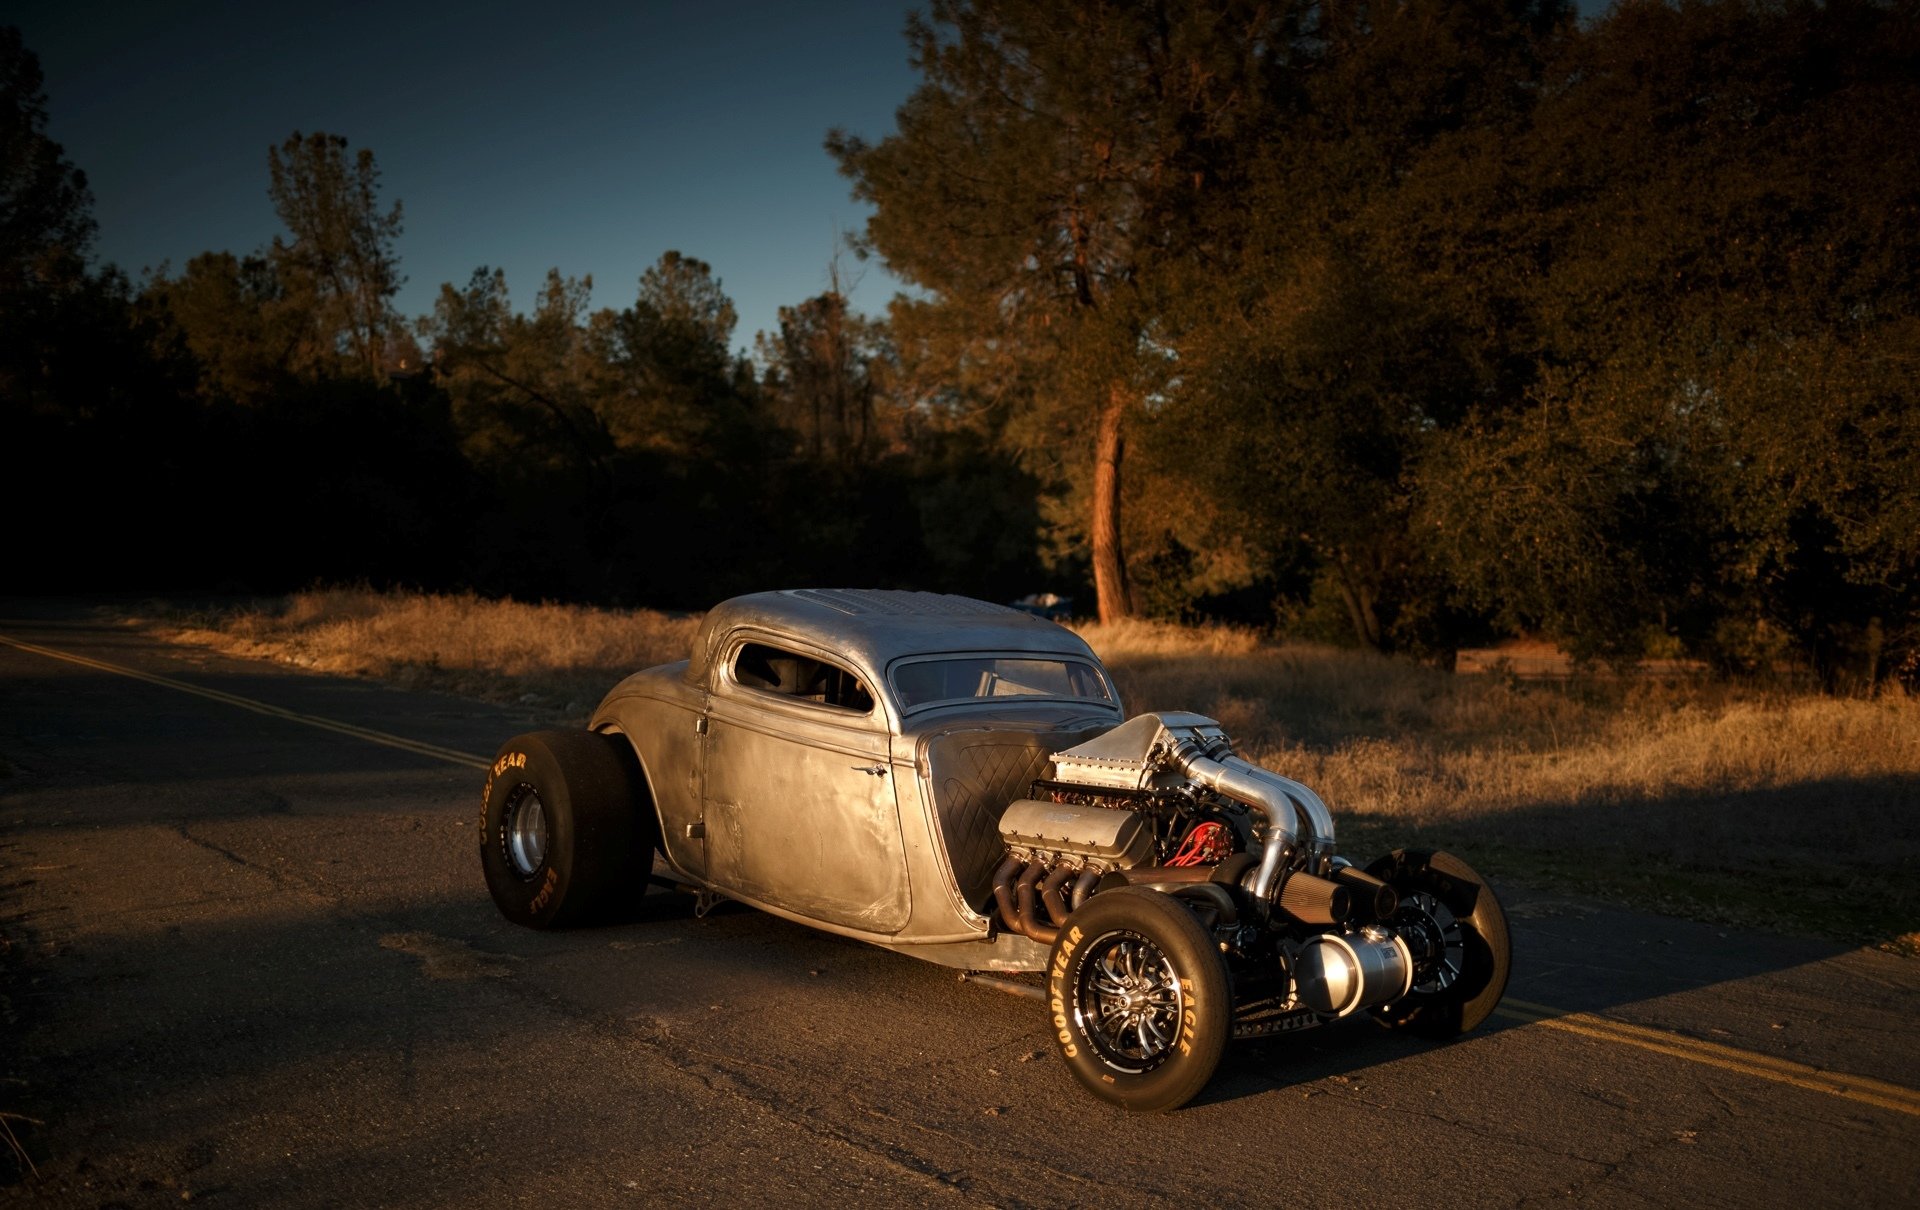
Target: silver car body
[{"x": 879, "y": 824}]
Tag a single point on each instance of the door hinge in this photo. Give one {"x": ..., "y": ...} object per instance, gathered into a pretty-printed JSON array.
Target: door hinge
[
  {"x": 700, "y": 725},
  {"x": 697, "y": 830}
]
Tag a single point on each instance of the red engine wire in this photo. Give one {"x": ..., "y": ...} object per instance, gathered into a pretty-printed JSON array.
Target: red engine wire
[{"x": 1200, "y": 846}]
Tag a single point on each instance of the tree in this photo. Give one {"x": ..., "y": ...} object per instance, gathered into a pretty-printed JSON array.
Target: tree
[
  {"x": 685, "y": 296},
  {"x": 522, "y": 386},
  {"x": 232, "y": 317},
  {"x": 339, "y": 264},
  {"x": 820, "y": 378},
  {"x": 1703, "y": 246},
  {"x": 667, "y": 378},
  {"x": 1286, "y": 453},
  {"x": 46, "y": 226},
  {"x": 1040, "y": 181},
  {"x": 1311, "y": 362}
]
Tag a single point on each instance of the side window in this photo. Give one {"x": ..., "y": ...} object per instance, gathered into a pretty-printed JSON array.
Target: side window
[{"x": 790, "y": 674}]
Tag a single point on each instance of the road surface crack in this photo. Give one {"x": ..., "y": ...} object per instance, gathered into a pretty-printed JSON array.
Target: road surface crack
[
  {"x": 279, "y": 875},
  {"x": 1686, "y": 1136}
]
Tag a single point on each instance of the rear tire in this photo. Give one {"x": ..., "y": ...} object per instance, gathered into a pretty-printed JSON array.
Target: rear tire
[
  {"x": 1140, "y": 1000},
  {"x": 1444, "y": 903},
  {"x": 566, "y": 828}
]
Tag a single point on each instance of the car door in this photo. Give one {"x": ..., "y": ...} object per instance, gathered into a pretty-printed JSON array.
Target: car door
[{"x": 798, "y": 791}]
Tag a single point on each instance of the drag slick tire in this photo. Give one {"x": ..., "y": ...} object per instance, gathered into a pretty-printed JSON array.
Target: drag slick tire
[
  {"x": 1139, "y": 999},
  {"x": 566, "y": 828},
  {"x": 1457, "y": 932}
]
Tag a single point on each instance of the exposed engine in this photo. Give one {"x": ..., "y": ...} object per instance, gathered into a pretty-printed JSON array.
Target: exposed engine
[{"x": 1162, "y": 801}]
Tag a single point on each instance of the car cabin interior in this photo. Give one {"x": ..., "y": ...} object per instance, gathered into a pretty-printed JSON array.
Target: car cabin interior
[{"x": 790, "y": 674}]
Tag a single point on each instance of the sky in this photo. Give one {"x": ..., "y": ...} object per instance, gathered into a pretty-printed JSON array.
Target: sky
[{"x": 587, "y": 137}]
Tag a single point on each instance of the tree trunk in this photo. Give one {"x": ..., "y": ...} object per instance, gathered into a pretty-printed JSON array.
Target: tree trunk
[
  {"x": 1109, "y": 558},
  {"x": 1359, "y": 599}
]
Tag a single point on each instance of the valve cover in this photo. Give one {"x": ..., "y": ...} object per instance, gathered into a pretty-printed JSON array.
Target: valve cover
[{"x": 1121, "y": 839}]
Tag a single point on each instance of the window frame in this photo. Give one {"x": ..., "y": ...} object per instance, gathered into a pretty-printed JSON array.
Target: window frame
[
  {"x": 1110, "y": 702},
  {"x": 737, "y": 644}
]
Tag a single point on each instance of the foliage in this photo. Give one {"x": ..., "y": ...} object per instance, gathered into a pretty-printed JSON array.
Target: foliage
[
  {"x": 45, "y": 227},
  {"x": 822, "y": 378},
  {"x": 1407, "y": 325},
  {"x": 338, "y": 268},
  {"x": 1042, "y": 176},
  {"x": 1717, "y": 286},
  {"x": 1448, "y": 316},
  {"x": 229, "y": 317}
]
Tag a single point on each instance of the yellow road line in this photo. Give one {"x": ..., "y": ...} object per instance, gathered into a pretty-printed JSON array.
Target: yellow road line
[
  {"x": 1864, "y": 1089},
  {"x": 368, "y": 734}
]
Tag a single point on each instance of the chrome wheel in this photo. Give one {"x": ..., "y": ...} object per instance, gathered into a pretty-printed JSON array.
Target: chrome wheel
[
  {"x": 526, "y": 832},
  {"x": 1436, "y": 940},
  {"x": 1128, "y": 1001}
]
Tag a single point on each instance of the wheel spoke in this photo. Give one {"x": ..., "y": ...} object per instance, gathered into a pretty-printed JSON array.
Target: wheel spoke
[
  {"x": 1150, "y": 1024},
  {"x": 1437, "y": 939},
  {"x": 1150, "y": 1046}
]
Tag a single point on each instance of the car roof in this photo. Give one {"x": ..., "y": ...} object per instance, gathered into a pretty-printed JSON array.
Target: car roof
[{"x": 876, "y": 626}]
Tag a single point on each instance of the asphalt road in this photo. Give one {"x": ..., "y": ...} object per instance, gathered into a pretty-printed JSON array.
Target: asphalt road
[{"x": 248, "y": 960}]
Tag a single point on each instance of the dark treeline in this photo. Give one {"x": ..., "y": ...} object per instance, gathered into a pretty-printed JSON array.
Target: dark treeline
[
  {"x": 1410, "y": 325},
  {"x": 263, "y": 421}
]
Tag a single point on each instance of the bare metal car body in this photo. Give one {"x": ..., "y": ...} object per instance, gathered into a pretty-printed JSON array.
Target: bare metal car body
[
  {"x": 957, "y": 781},
  {"x": 880, "y": 825}
]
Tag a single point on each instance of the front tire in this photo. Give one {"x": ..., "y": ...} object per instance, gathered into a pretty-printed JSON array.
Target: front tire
[
  {"x": 1140, "y": 1000},
  {"x": 566, "y": 828},
  {"x": 1457, "y": 931}
]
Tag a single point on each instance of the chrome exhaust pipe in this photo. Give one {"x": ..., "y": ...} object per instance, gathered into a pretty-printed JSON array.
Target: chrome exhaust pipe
[
  {"x": 1235, "y": 781},
  {"x": 1319, "y": 819}
]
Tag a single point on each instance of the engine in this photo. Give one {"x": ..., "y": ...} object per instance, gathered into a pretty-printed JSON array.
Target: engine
[{"x": 1162, "y": 801}]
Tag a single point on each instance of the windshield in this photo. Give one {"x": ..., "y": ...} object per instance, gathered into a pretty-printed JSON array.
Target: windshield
[{"x": 958, "y": 678}]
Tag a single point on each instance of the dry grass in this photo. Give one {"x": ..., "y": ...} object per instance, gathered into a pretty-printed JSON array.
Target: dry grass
[
  {"x": 560, "y": 658},
  {"x": 1744, "y": 804},
  {"x": 1403, "y": 740},
  {"x": 1734, "y": 803}
]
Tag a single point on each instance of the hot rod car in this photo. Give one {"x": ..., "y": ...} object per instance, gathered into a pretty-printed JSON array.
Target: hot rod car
[{"x": 955, "y": 780}]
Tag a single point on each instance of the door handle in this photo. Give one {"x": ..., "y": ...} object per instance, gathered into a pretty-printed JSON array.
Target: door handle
[{"x": 875, "y": 770}]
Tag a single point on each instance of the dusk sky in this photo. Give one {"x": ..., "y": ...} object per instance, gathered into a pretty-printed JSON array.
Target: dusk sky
[{"x": 588, "y": 137}]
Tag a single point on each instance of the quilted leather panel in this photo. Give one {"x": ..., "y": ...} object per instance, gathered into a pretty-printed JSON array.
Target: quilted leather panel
[{"x": 974, "y": 775}]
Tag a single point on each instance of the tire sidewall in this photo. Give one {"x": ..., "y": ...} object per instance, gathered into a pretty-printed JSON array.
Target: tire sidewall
[
  {"x": 533, "y": 901},
  {"x": 589, "y": 788},
  {"x": 1207, "y": 1013}
]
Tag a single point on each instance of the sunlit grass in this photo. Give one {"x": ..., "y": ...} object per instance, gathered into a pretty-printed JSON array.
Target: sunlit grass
[
  {"x": 562, "y": 658},
  {"x": 1755, "y": 804}
]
